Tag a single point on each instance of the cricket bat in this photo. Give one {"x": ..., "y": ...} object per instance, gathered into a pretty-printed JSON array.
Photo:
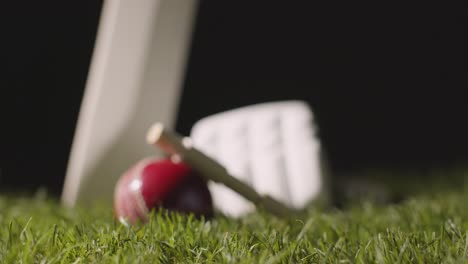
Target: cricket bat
[{"x": 135, "y": 78}]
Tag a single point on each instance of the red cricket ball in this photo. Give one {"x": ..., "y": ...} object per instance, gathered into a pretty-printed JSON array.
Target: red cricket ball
[{"x": 154, "y": 183}]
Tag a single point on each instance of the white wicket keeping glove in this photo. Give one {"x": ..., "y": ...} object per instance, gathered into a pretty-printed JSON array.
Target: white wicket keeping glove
[{"x": 271, "y": 146}]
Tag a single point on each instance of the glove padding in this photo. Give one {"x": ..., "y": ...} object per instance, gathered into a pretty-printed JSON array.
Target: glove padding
[{"x": 270, "y": 146}]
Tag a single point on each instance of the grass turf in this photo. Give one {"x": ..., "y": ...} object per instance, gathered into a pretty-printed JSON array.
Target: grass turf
[{"x": 427, "y": 228}]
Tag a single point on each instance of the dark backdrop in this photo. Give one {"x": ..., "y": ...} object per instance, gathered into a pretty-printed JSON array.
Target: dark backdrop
[
  {"x": 385, "y": 80},
  {"x": 45, "y": 50}
]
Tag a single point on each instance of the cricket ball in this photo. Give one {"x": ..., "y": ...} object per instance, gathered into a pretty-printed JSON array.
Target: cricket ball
[{"x": 155, "y": 183}]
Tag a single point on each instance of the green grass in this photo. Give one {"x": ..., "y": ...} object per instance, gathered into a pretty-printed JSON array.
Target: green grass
[{"x": 427, "y": 228}]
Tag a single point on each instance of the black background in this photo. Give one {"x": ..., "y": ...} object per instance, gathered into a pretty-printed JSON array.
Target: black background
[{"x": 385, "y": 80}]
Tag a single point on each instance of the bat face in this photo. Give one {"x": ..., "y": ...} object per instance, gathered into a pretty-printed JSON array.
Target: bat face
[
  {"x": 272, "y": 147},
  {"x": 134, "y": 80}
]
